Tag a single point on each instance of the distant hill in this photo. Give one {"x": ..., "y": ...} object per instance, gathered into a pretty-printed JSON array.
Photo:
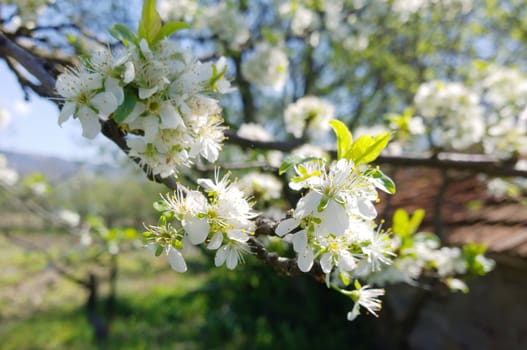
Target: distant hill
[{"x": 54, "y": 168}]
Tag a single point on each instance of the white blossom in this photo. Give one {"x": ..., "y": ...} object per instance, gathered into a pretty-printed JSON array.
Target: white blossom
[
  {"x": 267, "y": 67},
  {"x": 452, "y": 112},
  {"x": 262, "y": 186},
  {"x": 256, "y": 132},
  {"x": 366, "y": 297},
  {"x": 333, "y": 221},
  {"x": 311, "y": 114},
  {"x": 226, "y": 22},
  {"x": 174, "y": 119}
]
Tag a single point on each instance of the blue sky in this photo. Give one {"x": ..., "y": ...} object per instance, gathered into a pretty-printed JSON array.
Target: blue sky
[{"x": 33, "y": 126}]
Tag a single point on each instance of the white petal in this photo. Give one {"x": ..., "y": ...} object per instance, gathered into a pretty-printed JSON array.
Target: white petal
[
  {"x": 300, "y": 241},
  {"x": 67, "y": 110},
  {"x": 238, "y": 235},
  {"x": 129, "y": 73},
  {"x": 221, "y": 255},
  {"x": 176, "y": 260},
  {"x": 196, "y": 201},
  {"x": 150, "y": 126},
  {"x": 287, "y": 226},
  {"x": 105, "y": 103},
  {"x": 307, "y": 205},
  {"x": 207, "y": 184},
  {"x": 112, "y": 86},
  {"x": 170, "y": 117},
  {"x": 147, "y": 92},
  {"x": 366, "y": 208},
  {"x": 90, "y": 122},
  {"x": 210, "y": 152},
  {"x": 326, "y": 262},
  {"x": 215, "y": 241},
  {"x": 305, "y": 260},
  {"x": 221, "y": 63},
  {"x": 346, "y": 261},
  {"x": 232, "y": 259},
  {"x": 197, "y": 229},
  {"x": 90, "y": 81},
  {"x": 335, "y": 219},
  {"x": 136, "y": 144},
  {"x": 354, "y": 312}
]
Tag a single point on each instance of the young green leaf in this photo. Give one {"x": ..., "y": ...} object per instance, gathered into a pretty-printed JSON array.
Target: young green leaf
[
  {"x": 415, "y": 221},
  {"x": 400, "y": 222},
  {"x": 168, "y": 29},
  {"x": 367, "y": 148},
  {"x": 124, "y": 110},
  {"x": 344, "y": 137},
  {"x": 150, "y": 23},
  {"x": 123, "y": 34},
  {"x": 382, "y": 181}
]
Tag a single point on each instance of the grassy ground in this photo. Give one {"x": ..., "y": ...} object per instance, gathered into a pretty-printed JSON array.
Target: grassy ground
[{"x": 157, "y": 308}]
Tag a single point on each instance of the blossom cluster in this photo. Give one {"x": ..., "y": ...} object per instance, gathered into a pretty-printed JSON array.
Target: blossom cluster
[
  {"x": 302, "y": 17},
  {"x": 405, "y": 8},
  {"x": 311, "y": 114},
  {"x": 226, "y": 22},
  {"x": 262, "y": 186},
  {"x": 267, "y": 67},
  {"x": 222, "y": 220},
  {"x": 178, "y": 10},
  {"x": 421, "y": 254},
  {"x": 507, "y": 115},
  {"x": 333, "y": 223},
  {"x": 452, "y": 113},
  {"x": 158, "y": 93}
]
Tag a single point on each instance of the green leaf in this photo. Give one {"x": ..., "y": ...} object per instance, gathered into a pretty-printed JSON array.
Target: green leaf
[
  {"x": 150, "y": 23},
  {"x": 400, "y": 222},
  {"x": 404, "y": 225},
  {"x": 344, "y": 137},
  {"x": 415, "y": 221},
  {"x": 367, "y": 148},
  {"x": 168, "y": 29},
  {"x": 124, "y": 110},
  {"x": 291, "y": 161},
  {"x": 382, "y": 181},
  {"x": 159, "y": 250},
  {"x": 123, "y": 34}
]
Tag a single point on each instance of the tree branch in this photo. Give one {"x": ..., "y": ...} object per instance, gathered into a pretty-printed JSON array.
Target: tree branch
[
  {"x": 33, "y": 64},
  {"x": 473, "y": 163}
]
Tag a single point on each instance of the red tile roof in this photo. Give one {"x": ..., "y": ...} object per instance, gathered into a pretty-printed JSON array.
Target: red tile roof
[{"x": 466, "y": 212}]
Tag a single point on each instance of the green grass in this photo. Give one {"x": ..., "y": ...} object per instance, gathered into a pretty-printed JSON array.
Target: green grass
[{"x": 156, "y": 308}]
